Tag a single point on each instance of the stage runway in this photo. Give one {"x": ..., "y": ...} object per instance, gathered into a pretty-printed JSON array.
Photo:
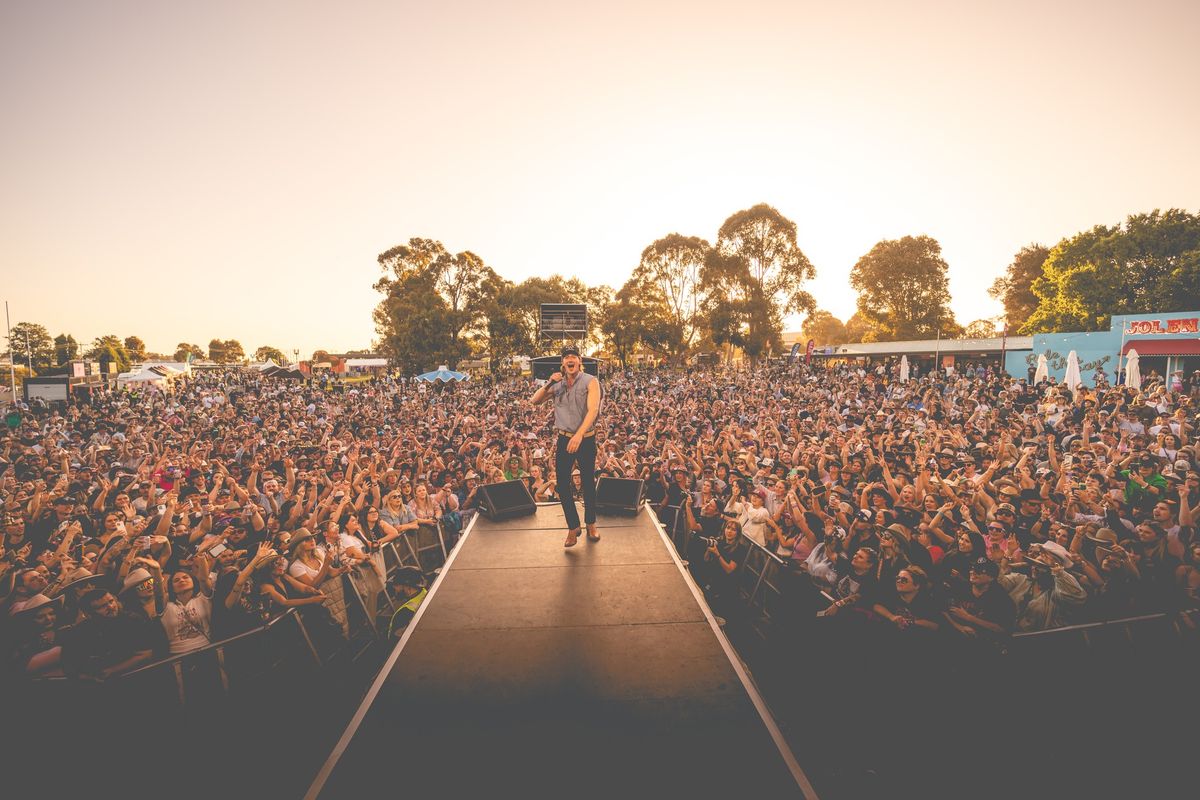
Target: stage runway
[{"x": 534, "y": 670}]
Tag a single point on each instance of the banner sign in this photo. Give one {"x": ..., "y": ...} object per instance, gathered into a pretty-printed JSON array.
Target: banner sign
[
  {"x": 812, "y": 343},
  {"x": 1140, "y": 327}
]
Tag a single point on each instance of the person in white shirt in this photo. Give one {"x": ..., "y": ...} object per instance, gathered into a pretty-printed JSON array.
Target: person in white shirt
[{"x": 187, "y": 618}]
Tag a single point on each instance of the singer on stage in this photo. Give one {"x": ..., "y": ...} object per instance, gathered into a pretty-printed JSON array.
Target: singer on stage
[{"x": 576, "y": 406}]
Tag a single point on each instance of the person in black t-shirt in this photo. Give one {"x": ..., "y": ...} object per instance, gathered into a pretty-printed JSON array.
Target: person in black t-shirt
[
  {"x": 110, "y": 641},
  {"x": 983, "y": 611},
  {"x": 721, "y": 561},
  {"x": 913, "y": 609}
]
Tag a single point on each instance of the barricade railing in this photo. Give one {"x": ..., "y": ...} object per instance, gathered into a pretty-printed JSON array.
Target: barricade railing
[
  {"x": 209, "y": 666},
  {"x": 757, "y": 576}
]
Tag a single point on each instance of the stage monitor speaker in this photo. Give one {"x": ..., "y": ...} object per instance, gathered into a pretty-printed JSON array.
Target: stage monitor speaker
[
  {"x": 619, "y": 495},
  {"x": 506, "y": 499}
]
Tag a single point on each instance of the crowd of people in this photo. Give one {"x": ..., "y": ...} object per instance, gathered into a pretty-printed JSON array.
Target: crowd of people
[{"x": 965, "y": 506}]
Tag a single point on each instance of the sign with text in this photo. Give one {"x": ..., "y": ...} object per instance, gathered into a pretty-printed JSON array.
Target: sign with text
[{"x": 1140, "y": 327}]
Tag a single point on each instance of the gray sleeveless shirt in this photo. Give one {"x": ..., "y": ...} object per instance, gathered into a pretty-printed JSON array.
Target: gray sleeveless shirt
[{"x": 570, "y": 403}]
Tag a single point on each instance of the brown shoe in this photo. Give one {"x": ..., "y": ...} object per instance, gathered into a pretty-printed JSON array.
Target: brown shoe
[
  {"x": 572, "y": 538},
  {"x": 592, "y": 535}
]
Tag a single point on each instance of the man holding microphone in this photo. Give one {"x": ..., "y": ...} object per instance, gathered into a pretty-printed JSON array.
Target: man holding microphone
[{"x": 576, "y": 407}]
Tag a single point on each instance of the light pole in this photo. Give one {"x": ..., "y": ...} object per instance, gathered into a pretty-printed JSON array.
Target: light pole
[
  {"x": 1003, "y": 344},
  {"x": 12, "y": 372},
  {"x": 295, "y": 356},
  {"x": 29, "y": 353}
]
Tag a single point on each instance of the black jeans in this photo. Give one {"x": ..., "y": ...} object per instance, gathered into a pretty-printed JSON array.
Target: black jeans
[{"x": 585, "y": 456}]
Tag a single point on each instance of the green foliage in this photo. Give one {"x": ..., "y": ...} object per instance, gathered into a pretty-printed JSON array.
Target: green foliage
[
  {"x": 136, "y": 348},
  {"x": 903, "y": 290},
  {"x": 1015, "y": 287},
  {"x": 824, "y": 327},
  {"x": 411, "y": 322},
  {"x": 228, "y": 351},
  {"x": 110, "y": 350},
  {"x": 981, "y": 329},
  {"x": 30, "y": 342},
  {"x": 65, "y": 348},
  {"x": 268, "y": 353},
  {"x": 461, "y": 281},
  {"x": 755, "y": 273},
  {"x": 512, "y": 312},
  {"x": 859, "y": 330},
  {"x": 639, "y": 319},
  {"x": 1150, "y": 264},
  {"x": 183, "y": 350},
  {"x": 670, "y": 269}
]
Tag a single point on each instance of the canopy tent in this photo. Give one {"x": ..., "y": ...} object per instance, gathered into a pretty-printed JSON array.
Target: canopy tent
[
  {"x": 282, "y": 372},
  {"x": 367, "y": 363},
  {"x": 177, "y": 367},
  {"x": 1133, "y": 370},
  {"x": 1043, "y": 369},
  {"x": 155, "y": 376},
  {"x": 442, "y": 374}
]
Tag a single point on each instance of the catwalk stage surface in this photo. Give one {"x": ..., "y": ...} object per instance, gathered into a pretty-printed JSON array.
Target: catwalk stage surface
[{"x": 534, "y": 670}]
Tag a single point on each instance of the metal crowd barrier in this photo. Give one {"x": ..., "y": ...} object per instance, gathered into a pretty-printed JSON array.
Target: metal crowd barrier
[
  {"x": 209, "y": 667},
  {"x": 759, "y": 579},
  {"x": 758, "y": 576}
]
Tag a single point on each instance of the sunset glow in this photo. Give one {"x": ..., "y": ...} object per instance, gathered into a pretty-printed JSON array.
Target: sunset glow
[{"x": 188, "y": 171}]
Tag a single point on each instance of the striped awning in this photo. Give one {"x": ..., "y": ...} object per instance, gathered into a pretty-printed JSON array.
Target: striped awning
[{"x": 1189, "y": 346}]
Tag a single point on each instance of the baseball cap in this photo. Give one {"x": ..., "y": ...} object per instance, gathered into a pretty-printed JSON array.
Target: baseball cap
[
  {"x": 570, "y": 350},
  {"x": 986, "y": 566}
]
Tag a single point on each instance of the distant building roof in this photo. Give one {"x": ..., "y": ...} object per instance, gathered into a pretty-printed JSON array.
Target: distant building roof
[{"x": 931, "y": 346}]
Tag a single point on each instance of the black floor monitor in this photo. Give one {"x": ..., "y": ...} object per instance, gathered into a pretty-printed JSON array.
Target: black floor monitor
[{"x": 507, "y": 499}]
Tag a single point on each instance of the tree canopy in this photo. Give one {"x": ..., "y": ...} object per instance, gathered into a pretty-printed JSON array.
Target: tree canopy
[
  {"x": 183, "y": 350},
  {"x": 136, "y": 348},
  {"x": 981, "y": 329},
  {"x": 1015, "y": 287},
  {"x": 824, "y": 327},
  {"x": 411, "y": 323},
  {"x": 670, "y": 268},
  {"x": 65, "y": 348},
  {"x": 110, "y": 349},
  {"x": 228, "y": 351},
  {"x": 755, "y": 273},
  {"x": 30, "y": 342},
  {"x": 1151, "y": 263},
  {"x": 460, "y": 281},
  {"x": 268, "y": 353},
  {"x": 904, "y": 291}
]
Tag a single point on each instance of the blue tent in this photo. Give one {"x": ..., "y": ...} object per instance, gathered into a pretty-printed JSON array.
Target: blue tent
[{"x": 442, "y": 374}]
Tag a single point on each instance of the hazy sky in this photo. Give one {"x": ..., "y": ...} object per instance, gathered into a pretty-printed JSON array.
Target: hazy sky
[{"x": 189, "y": 170}]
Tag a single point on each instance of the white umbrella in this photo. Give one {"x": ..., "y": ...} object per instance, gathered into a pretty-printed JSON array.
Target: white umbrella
[
  {"x": 1133, "y": 371},
  {"x": 1043, "y": 369},
  {"x": 904, "y": 369},
  {"x": 1072, "y": 379}
]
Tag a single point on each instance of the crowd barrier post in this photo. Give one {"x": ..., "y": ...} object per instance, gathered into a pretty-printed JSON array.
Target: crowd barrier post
[
  {"x": 308, "y": 641},
  {"x": 179, "y": 687}
]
